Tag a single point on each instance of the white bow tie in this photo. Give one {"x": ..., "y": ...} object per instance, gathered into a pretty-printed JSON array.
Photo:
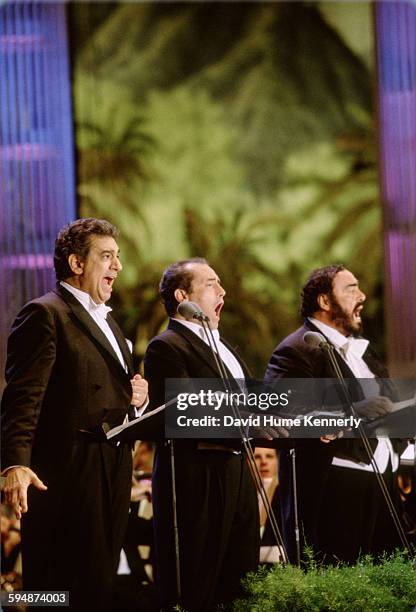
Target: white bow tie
[
  {"x": 215, "y": 333},
  {"x": 358, "y": 346},
  {"x": 101, "y": 309}
]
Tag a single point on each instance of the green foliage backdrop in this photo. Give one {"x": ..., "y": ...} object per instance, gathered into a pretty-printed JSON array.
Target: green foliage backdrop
[{"x": 238, "y": 132}]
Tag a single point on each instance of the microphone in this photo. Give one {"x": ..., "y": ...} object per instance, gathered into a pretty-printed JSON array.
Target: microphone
[
  {"x": 315, "y": 339},
  {"x": 191, "y": 310}
]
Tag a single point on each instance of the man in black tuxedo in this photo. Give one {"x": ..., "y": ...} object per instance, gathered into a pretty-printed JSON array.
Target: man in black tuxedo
[
  {"x": 69, "y": 371},
  {"x": 218, "y": 527},
  {"x": 341, "y": 510}
]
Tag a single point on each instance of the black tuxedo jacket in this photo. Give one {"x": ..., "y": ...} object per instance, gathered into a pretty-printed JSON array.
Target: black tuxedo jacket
[
  {"x": 62, "y": 375},
  {"x": 293, "y": 358},
  {"x": 317, "y": 487},
  {"x": 179, "y": 353},
  {"x": 210, "y": 488}
]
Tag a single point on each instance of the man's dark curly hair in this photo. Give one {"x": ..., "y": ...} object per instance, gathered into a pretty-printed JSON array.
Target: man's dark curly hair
[
  {"x": 178, "y": 275},
  {"x": 318, "y": 282},
  {"x": 75, "y": 238}
]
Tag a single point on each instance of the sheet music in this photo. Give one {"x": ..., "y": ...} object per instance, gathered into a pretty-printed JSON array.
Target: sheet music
[
  {"x": 125, "y": 426},
  {"x": 403, "y": 404}
]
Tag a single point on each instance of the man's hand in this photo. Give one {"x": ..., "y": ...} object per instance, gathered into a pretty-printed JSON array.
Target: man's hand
[
  {"x": 369, "y": 408},
  {"x": 331, "y": 437},
  {"x": 17, "y": 482},
  {"x": 141, "y": 489},
  {"x": 139, "y": 394},
  {"x": 373, "y": 407}
]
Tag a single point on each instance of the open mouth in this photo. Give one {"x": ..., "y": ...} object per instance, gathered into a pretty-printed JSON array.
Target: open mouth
[
  {"x": 109, "y": 280},
  {"x": 357, "y": 313},
  {"x": 218, "y": 309}
]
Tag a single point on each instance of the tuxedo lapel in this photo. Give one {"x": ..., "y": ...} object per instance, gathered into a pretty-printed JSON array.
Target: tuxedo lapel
[
  {"x": 199, "y": 347},
  {"x": 345, "y": 369},
  {"x": 377, "y": 368},
  {"x": 121, "y": 341},
  {"x": 387, "y": 386},
  {"x": 88, "y": 323}
]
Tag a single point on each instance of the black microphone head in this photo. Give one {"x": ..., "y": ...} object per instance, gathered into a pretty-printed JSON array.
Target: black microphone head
[
  {"x": 190, "y": 310},
  {"x": 315, "y": 339}
]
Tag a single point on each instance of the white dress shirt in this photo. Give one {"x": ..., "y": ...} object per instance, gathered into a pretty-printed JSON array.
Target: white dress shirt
[
  {"x": 99, "y": 313},
  {"x": 352, "y": 350}
]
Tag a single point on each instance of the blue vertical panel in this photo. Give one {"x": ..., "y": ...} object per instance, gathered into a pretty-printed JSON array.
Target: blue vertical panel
[
  {"x": 396, "y": 50},
  {"x": 37, "y": 191}
]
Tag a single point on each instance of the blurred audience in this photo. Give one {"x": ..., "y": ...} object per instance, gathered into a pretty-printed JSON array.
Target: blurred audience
[
  {"x": 267, "y": 464},
  {"x": 135, "y": 585},
  {"x": 143, "y": 457},
  {"x": 406, "y": 480},
  {"x": 11, "y": 564}
]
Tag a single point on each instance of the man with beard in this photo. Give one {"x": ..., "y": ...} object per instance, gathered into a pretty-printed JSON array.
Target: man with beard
[
  {"x": 342, "y": 513},
  {"x": 217, "y": 511}
]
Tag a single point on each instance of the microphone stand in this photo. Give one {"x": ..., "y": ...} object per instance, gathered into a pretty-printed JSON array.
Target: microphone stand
[
  {"x": 292, "y": 453},
  {"x": 204, "y": 320},
  {"x": 175, "y": 521},
  {"x": 330, "y": 351}
]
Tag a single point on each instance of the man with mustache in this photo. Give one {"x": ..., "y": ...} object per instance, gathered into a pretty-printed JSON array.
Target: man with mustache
[
  {"x": 69, "y": 371},
  {"x": 217, "y": 512},
  {"x": 341, "y": 510}
]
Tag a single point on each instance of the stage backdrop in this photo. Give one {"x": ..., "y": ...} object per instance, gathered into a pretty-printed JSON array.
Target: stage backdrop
[
  {"x": 37, "y": 182},
  {"x": 241, "y": 132}
]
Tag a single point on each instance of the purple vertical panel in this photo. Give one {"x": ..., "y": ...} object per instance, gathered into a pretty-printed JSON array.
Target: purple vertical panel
[
  {"x": 37, "y": 191},
  {"x": 396, "y": 49}
]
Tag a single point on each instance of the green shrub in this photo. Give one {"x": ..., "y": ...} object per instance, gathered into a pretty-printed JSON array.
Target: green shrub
[{"x": 389, "y": 585}]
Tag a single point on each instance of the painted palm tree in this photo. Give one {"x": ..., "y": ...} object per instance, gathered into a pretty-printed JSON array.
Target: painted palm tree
[
  {"x": 114, "y": 148},
  {"x": 288, "y": 84},
  {"x": 342, "y": 220}
]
